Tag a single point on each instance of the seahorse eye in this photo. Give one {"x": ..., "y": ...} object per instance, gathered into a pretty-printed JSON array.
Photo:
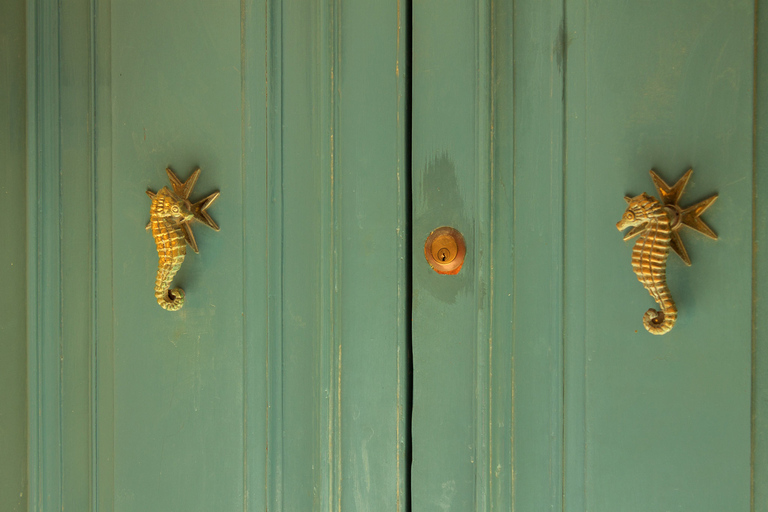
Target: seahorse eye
[
  {"x": 628, "y": 215},
  {"x": 175, "y": 209}
]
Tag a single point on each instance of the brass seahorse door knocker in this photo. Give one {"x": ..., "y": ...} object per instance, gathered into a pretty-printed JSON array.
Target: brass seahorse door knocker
[
  {"x": 170, "y": 217},
  {"x": 658, "y": 223}
]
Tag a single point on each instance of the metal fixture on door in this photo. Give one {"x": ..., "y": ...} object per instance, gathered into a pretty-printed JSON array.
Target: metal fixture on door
[
  {"x": 445, "y": 250},
  {"x": 658, "y": 223},
  {"x": 170, "y": 216}
]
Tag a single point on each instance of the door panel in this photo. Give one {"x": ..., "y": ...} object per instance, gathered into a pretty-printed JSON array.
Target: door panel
[
  {"x": 179, "y": 397},
  {"x": 13, "y": 209},
  {"x": 284, "y": 381},
  {"x": 275, "y": 386},
  {"x": 760, "y": 265},
  {"x": 462, "y": 384},
  {"x": 606, "y": 416},
  {"x": 662, "y": 421},
  {"x": 450, "y": 182}
]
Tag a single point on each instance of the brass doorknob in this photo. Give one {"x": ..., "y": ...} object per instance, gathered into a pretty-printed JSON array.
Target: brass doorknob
[{"x": 445, "y": 250}]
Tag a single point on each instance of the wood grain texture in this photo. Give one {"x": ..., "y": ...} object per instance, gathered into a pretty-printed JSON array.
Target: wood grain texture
[
  {"x": 75, "y": 219},
  {"x": 245, "y": 400},
  {"x": 283, "y": 383},
  {"x": 13, "y": 262},
  {"x": 759, "y": 370},
  {"x": 43, "y": 258},
  {"x": 646, "y": 417},
  {"x": 537, "y": 182},
  {"x": 455, "y": 465}
]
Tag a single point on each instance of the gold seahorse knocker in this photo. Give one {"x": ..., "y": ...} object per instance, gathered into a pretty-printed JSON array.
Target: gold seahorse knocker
[
  {"x": 658, "y": 224},
  {"x": 169, "y": 219}
]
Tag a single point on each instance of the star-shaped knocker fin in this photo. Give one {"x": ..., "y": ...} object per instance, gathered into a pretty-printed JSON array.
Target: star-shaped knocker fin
[
  {"x": 183, "y": 189},
  {"x": 667, "y": 194},
  {"x": 690, "y": 217}
]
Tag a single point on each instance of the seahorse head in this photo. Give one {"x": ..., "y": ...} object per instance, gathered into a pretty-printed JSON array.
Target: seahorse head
[
  {"x": 171, "y": 207},
  {"x": 641, "y": 210}
]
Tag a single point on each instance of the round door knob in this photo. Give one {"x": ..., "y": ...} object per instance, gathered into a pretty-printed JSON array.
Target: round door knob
[{"x": 445, "y": 250}]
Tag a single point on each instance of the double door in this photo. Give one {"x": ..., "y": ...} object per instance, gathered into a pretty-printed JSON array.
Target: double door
[{"x": 319, "y": 362}]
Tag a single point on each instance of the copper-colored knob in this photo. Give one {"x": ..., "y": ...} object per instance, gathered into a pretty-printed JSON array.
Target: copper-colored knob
[{"x": 445, "y": 250}]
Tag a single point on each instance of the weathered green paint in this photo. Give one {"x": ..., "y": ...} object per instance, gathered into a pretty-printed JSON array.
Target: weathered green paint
[
  {"x": 451, "y": 183},
  {"x": 283, "y": 382},
  {"x": 759, "y": 368},
  {"x": 239, "y": 400},
  {"x": 605, "y": 418},
  {"x": 43, "y": 253},
  {"x": 536, "y": 169},
  {"x": 662, "y": 422},
  {"x": 13, "y": 303}
]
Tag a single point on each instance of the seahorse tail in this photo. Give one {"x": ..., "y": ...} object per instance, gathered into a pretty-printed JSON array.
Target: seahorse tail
[
  {"x": 169, "y": 299},
  {"x": 660, "y": 322}
]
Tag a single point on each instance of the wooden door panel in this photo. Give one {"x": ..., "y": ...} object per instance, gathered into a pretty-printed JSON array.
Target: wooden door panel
[
  {"x": 662, "y": 422},
  {"x": 13, "y": 209},
  {"x": 447, "y": 165},
  {"x": 178, "y": 378},
  {"x": 606, "y": 416},
  {"x": 282, "y": 382}
]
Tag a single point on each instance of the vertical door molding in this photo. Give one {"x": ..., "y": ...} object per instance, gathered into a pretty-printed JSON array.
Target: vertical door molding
[
  {"x": 43, "y": 293},
  {"x": 462, "y": 329},
  {"x": 69, "y": 265},
  {"x": 337, "y": 297},
  {"x": 539, "y": 57},
  {"x": 44, "y": 248},
  {"x": 661, "y": 423},
  {"x": 13, "y": 257},
  {"x": 759, "y": 413},
  {"x": 284, "y": 385}
]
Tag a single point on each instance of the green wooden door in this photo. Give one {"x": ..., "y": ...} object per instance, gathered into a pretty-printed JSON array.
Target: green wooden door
[
  {"x": 536, "y": 386},
  {"x": 281, "y": 384},
  {"x": 319, "y": 363}
]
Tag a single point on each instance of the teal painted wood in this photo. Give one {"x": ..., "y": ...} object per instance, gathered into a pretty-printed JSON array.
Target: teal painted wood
[
  {"x": 510, "y": 309},
  {"x": 44, "y": 274},
  {"x": 343, "y": 234},
  {"x": 370, "y": 321},
  {"x": 245, "y": 399},
  {"x": 77, "y": 259},
  {"x": 452, "y": 179},
  {"x": 760, "y": 263},
  {"x": 537, "y": 181},
  {"x": 284, "y": 386},
  {"x": 260, "y": 172},
  {"x": 102, "y": 362},
  {"x": 13, "y": 304},
  {"x": 574, "y": 262},
  {"x": 501, "y": 393},
  {"x": 685, "y": 398},
  {"x": 664, "y": 423},
  {"x": 179, "y": 401},
  {"x": 63, "y": 312}
]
